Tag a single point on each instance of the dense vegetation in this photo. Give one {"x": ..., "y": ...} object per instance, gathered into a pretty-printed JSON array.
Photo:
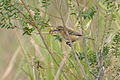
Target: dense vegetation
[{"x": 49, "y": 57}]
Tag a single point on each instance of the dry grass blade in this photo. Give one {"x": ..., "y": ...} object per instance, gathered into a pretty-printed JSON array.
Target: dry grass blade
[
  {"x": 11, "y": 64},
  {"x": 60, "y": 12},
  {"x": 33, "y": 69},
  {"x": 61, "y": 66},
  {"x": 40, "y": 34}
]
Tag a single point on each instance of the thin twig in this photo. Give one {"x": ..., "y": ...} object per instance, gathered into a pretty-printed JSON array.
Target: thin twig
[
  {"x": 85, "y": 75},
  {"x": 45, "y": 43},
  {"x": 61, "y": 66},
  {"x": 34, "y": 23},
  {"x": 98, "y": 77},
  {"x": 39, "y": 32},
  {"x": 93, "y": 74},
  {"x": 83, "y": 39},
  {"x": 49, "y": 14},
  {"x": 30, "y": 21},
  {"x": 67, "y": 69},
  {"x": 103, "y": 44},
  {"x": 96, "y": 40}
]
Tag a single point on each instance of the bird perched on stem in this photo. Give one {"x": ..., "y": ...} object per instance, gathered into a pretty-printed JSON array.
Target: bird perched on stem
[{"x": 73, "y": 34}]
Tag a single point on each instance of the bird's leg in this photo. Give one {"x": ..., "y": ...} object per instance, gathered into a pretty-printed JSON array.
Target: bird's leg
[{"x": 68, "y": 43}]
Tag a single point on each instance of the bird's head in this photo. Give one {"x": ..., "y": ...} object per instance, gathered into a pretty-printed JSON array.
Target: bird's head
[{"x": 59, "y": 28}]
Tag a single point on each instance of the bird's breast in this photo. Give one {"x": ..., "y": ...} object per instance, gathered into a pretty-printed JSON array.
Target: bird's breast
[{"x": 73, "y": 37}]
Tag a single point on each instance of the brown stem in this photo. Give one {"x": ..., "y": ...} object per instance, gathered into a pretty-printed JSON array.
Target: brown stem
[
  {"x": 35, "y": 24},
  {"x": 85, "y": 75},
  {"x": 45, "y": 43},
  {"x": 83, "y": 40},
  {"x": 100, "y": 74},
  {"x": 30, "y": 21}
]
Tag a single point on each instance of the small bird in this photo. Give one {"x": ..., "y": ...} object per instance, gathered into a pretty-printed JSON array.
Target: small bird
[
  {"x": 38, "y": 66},
  {"x": 73, "y": 34}
]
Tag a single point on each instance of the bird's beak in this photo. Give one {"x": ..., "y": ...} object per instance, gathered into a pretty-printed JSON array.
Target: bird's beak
[
  {"x": 51, "y": 31},
  {"x": 55, "y": 30}
]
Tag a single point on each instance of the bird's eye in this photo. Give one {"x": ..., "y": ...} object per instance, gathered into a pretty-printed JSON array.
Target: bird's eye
[{"x": 59, "y": 29}]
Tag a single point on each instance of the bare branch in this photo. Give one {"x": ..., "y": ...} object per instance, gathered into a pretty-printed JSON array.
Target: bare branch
[
  {"x": 83, "y": 40},
  {"x": 103, "y": 43},
  {"x": 46, "y": 45},
  {"x": 96, "y": 40},
  {"x": 85, "y": 75}
]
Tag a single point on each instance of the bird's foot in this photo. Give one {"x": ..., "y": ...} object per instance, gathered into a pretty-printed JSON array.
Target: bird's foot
[{"x": 68, "y": 43}]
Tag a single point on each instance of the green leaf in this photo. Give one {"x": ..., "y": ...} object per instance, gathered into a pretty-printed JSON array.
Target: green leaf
[{"x": 57, "y": 38}]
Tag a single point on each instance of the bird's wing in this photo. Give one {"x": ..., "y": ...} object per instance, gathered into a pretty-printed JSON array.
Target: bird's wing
[{"x": 75, "y": 33}]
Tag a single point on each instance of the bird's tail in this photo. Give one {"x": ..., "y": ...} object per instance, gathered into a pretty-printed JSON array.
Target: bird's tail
[{"x": 88, "y": 38}]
